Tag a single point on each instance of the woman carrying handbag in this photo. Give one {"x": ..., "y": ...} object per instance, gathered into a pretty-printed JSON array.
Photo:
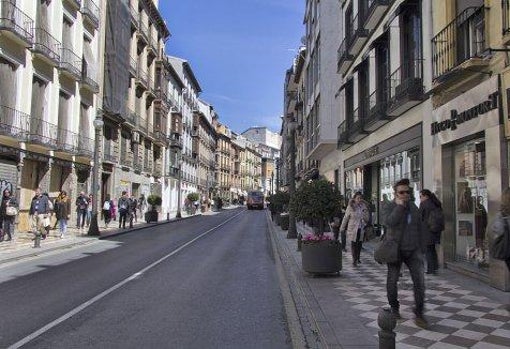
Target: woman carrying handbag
[
  {"x": 9, "y": 211},
  {"x": 355, "y": 220}
]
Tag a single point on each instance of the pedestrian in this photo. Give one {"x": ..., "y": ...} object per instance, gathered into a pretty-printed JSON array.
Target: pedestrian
[
  {"x": 89, "y": 210},
  {"x": 9, "y": 209},
  {"x": 354, "y": 222},
  {"x": 123, "y": 205},
  {"x": 63, "y": 212},
  {"x": 403, "y": 223},
  {"x": 432, "y": 219},
  {"x": 500, "y": 229},
  {"x": 132, "y": 210},
  {"x": 107, "y": 210},
  {"x": 134, "y": 207},
  {"x": 38, "y": 212},
  {"x": 82, "y": 204},
  {"x": 47, "y": 220}
]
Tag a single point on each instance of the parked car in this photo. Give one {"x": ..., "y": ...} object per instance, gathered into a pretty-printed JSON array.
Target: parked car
[{"x": 255, "y": 200}]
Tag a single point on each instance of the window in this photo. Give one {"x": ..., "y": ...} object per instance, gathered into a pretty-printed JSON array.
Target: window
[
  {"x": 39, "y": 101},
  {"x": 8, "y": 78}
]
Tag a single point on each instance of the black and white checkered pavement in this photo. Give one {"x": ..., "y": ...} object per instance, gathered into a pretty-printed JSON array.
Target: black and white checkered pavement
[{"x": 458, "y": 318}]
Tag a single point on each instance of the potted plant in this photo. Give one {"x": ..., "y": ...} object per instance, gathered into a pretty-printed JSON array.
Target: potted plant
[
  {"x": 278, "y": 203},
  {"x": 317, "y": 202},
  {"x": 154, "y": 201}
]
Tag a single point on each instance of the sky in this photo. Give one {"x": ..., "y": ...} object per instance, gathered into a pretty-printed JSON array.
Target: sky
[{"x": 239, "y": 51}]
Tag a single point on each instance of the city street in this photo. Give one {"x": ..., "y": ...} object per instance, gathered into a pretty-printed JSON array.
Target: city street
[{"x": 204, "y": 282}]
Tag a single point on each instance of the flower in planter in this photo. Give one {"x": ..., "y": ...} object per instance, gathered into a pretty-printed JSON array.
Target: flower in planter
[{"x": 311, "y": 237}]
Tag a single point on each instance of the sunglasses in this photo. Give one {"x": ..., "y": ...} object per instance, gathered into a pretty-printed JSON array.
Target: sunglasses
[{"x": 402, "y": 192}]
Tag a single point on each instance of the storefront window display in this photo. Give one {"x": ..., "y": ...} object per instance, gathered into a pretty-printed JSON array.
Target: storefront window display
[
  {"x": 353, "y": 182},
  {"x": 401, "y": 165},
  {"x": 471, "y": 203}
]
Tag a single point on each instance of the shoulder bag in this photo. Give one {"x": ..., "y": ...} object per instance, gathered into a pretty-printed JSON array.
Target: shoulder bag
[
  {"x": 499, "y": 245},
  {"x": 386, "y": 251}
]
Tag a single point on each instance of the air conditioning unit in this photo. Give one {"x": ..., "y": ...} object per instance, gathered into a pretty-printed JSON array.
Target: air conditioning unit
[{"x": 136, "y": 137}]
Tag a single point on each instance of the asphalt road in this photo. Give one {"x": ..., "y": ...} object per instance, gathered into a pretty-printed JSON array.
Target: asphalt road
[{"x": 205, "y": 282}]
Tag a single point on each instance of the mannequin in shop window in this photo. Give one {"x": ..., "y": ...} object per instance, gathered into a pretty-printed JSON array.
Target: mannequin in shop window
[
  {"x": 480, "y": 223},
  {"x": 466, "y": 201}
]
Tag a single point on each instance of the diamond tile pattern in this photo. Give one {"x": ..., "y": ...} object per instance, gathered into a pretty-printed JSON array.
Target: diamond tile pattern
[{"x": 458, "y": 318}]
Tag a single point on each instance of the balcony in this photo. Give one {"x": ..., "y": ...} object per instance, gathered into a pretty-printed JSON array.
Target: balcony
[
  {"x": 147, "y": 166},
  {"x": 125, "y": 159},
  {"x": 88, "y": 80},
  {"x": 377, "y": 115},
  {"x": 133, "y": 67},
  {"x": 43, "y": 133},
  {"x": 135, "y": 15},
  {"x": 109, "y": 152},
  {"x": 344, "y": 57},
  {"x": 358, "y": 37},
  {"x": 376, "y": 10},
  {"x": 142, "y": 79},
  {"x": 85, "y": 146},
  {"x": 14, "y": 123},
  {"x": 175, "y": 140},
  {"x": 142, "y": 125},
  {"x": 343, "y": 135},
  {"x": 153, "y": 43},
  {"x": 406, "y": 87},
  {"x": 46, "y": 46},
  {"x": 131, "y": 117},
  {"x": 356, "y": 131},
  {"x": 90, "y": 12},
  {"x": 15, "y": 24},
  {"x": 67, "y": 141},
  {"x": 70, "y": 63},
  {"x": 143, "y": 33},
  {"x": 461, "y": 48},
  {"x": 75, "y": 4},
  {"x": 172, "y": 171}
]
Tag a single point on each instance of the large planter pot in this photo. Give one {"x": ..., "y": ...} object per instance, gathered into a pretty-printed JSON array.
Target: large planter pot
[
  {"x": 321, "y": 257},
  {"x": 276, "y": 219},
  {"x": 284, "y": 221},
  {"x": 151, "y": 216}
]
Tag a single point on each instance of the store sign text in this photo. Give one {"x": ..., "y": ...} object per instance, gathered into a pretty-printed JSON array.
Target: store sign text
[{"x": 472, "y": 113}]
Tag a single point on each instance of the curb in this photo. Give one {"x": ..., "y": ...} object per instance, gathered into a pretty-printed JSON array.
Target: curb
[{"x": 303, "y": 331}]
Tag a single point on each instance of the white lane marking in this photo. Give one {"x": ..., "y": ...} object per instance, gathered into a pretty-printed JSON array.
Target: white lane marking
[{"x": 103, "y": 294}]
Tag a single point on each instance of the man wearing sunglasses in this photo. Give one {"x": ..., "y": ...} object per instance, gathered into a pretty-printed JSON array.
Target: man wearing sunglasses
[{"x": 404, "y": 225}]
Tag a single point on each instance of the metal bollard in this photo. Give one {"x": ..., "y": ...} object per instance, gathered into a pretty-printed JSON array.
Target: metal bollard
[
  {"x": 387, "y": 323},
  {"x": 299, "y": 241}
]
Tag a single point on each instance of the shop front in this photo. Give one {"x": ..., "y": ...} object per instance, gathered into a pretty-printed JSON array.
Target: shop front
[
  {"x": 469, "y": 155},
  {"x": 374, "y": 171}
]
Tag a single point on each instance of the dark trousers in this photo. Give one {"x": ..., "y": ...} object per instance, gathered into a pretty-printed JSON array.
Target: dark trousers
[
  {"x": 414, "y": 261},
  {"x": 107, "y": 216},
  {"x": 80, "y": 218},
  {"x": 432, "y": 263},
  {"x": 122, "y": 218},
  {"x": 356, "y": 248}
]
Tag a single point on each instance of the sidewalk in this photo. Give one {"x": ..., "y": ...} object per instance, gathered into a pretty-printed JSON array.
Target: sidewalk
[
  {"x": 343, "y": 310},
  {"x": 21, "y": 246}
]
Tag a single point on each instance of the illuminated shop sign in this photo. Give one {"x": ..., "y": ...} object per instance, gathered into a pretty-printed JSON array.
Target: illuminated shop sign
[{"x": 457, "y": 118}]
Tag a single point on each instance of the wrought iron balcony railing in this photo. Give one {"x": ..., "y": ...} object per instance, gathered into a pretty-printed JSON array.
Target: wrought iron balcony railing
[
  {"x": 133, "y": 66},
  {"x": 108, "y": 152},
  {"x": 406, "y": 87},
  {"x": 14, "y": 20},
  {"x": 46, "y": 45},
  {"x": 70, "y": 62},
  {"x": 67, "y": 140},
  {"x": 85, "y": 146},
  {"x": 14, "y": 123},
  {"x": 91, "y": 11},
  {"x": 463, "y": 39},
  {"x": 43, "y": 132}
]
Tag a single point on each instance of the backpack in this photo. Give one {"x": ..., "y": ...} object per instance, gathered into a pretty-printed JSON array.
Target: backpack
[
  {"x": 499, "y": 240},
  {"x": 106, "y": 205},
  {"x": 435, "y": 221}
]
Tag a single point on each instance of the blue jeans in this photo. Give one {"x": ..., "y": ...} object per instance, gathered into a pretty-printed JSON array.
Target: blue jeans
[
  {"x": 63, "y": 226},
  {"x": 80, "y": 218},
  {"x": 414, "y": 261}
]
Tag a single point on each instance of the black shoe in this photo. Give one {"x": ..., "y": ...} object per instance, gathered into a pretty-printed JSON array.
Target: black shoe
[{"x": 396, "y": 313}]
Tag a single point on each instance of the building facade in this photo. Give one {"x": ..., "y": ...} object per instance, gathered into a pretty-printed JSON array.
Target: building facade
[{"x": 49, "y": 54}]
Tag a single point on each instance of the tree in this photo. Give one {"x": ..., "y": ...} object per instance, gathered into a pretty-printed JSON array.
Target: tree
[
  {"x": 316, "y": 202},
  {"x": 279, "y": 202}
]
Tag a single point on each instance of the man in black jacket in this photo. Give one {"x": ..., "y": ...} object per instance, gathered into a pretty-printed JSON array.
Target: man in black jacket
[
  {"x": 403, "y": 223},
  {"x": 39, "y": 210}
]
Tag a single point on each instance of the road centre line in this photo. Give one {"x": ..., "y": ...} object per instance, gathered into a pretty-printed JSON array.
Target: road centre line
[{"x": 103, "y": 294}]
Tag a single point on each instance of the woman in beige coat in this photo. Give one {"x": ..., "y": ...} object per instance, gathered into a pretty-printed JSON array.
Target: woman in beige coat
[{"x": 355, "y": 220}]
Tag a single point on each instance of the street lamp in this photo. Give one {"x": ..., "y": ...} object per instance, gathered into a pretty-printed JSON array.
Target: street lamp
[
  {"x": 98, "y": 126},
  {"x": 178, "y": 214},
  {"x": 292, "y": 126}
]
